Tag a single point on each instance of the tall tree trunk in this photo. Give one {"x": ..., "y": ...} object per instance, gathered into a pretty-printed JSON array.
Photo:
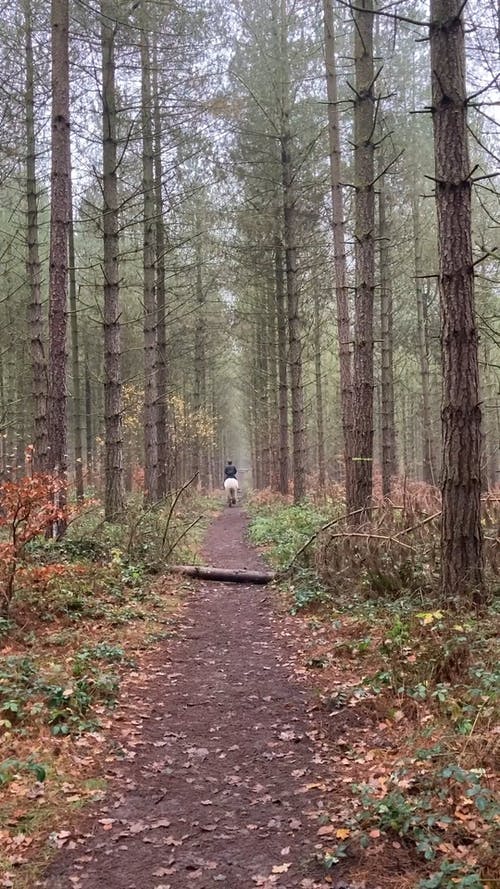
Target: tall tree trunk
[
  {"x": 21, "y": 399},
  {"x": 364, "y": 107},
  {"x": 89, "y": 441},
  {"x": 164, "y": 460},
  {"x": 255, "y": 411},
  {"x": 428, "y": 473},
  {"x": 268, "y": 394},
  {"x": 282, "y": 367},
  {"x": 318, "y": 379},
  {"x": 292, "y": 272},
  {"x": 75, "y": 358},
  {"x": 150, "y": 311},
  {"x": 388, "y": 435},
  {"x": 461, "y": 533},
  {"x": 58, "y": 264},
  {"x": 492, "y": 430},
  {"x": 274, "y": 420},
  {"x": 113, "y": 405},
  {"x": 339, "y": 250},
  {"x": 11, "y": 380},
  {"x": 33, "y": 266},
  {"x": 200, "y": 376},
  {"x": 262, "y": 354}
]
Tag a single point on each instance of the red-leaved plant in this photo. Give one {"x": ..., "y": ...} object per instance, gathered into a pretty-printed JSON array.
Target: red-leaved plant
[{"x": 27, "y": 509}]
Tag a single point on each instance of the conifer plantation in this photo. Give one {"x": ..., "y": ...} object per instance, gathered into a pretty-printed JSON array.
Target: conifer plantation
[{"x": 264, "y": 232}]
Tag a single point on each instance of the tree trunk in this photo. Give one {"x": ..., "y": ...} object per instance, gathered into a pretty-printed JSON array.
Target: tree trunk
[
  {"x": 491, "y": 420},
  {"x": 33, "y": 266},
  {"x": 292, "y": 274},
  {"x": 274, "y": 424},
  {"x": 227, "y": 575},
  {"x": 294, "y": 327},
  {"x": 150, "y": 311},
  {"x": 339, "y": 250},
  {"x": 89, "y": 441},
  {"x": 318, "y": 379},
  {"x": 75, "y": 358},
  {"x": 164, "y": 461},
  {"x": 264, "y": 403},
  {"x": 282, "y": 366},
  {"x": 200, "y": 381},
  {"x": 11, "y": 379},
  {"x": 58, "y": 263},
  {"x": 428, "y": 473},
  {"x": 364, "y": 107},
  {"x": 113, "y": 407},
  {"x": 461, "y": 533},
  {"x": 388, "y": 435},
  {"x": 21, "y": 396}
]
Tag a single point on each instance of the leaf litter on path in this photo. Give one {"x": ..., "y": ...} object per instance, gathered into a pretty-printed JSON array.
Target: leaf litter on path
[{"x": 251, "y": 741}]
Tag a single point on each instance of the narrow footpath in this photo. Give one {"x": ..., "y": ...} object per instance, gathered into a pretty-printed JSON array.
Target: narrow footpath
[{"x": 218, "y": 779}]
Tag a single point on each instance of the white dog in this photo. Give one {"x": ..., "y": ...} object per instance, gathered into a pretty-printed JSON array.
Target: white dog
[{"x": 231, "y": 486}]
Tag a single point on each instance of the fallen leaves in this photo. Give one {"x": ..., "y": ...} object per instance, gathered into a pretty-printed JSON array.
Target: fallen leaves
[
  {"x": 326, "y": 830},
  {"x": 59, "y": 839},
  {"x": 281, "y": 868},
  {"x": 342, "y": 833}
]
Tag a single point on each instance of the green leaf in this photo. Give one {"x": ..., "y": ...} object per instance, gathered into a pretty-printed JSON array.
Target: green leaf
[{"x": 38, "y": 770}]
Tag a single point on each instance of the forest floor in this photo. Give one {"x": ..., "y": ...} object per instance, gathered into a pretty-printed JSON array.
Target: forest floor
[
  {"x": 222, "y": 770},
  {"x": 162, "y": 733}
]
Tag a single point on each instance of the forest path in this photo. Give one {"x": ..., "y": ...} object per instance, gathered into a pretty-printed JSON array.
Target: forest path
[{"x": 212, "y": 787}]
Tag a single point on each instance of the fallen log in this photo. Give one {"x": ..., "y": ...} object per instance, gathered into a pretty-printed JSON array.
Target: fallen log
[{"x": 227, "y": 575}]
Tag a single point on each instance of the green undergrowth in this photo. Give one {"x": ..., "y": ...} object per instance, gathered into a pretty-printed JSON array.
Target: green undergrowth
[
  {"x": 281, "y": 532},
  {"x": 381, "y": 641}
]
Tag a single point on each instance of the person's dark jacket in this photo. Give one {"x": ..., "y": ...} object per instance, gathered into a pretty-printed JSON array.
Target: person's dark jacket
[{"x": 230, "y": 471}]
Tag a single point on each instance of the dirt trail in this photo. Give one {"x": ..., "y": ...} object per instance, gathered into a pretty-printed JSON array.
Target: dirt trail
[{"x": 212, "y": 789}]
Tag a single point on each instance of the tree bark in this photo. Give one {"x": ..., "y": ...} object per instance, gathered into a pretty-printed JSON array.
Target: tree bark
[
  {"x": 58, "y": 263},
  {"x": 164, "y": 460},
  {"x": 150, "y": 310},
  {"x": 388, "y": 436},
  {"x": 318, "y": 382},
  {"x": 428, "y": 472},
  {"x": 292, "y": 273},
  {"x": 33, "y": 265},
  {"x": 461, "y": 533},
  {"x": 113, "y": 407},
  {"x": 228, "y": 575},
  {"x": 264, "y": 402},
  {"x": 339, "y": 249},
  {"x": 364, "y": 107},
  {"x": 75, "y": 359},
  {"x": 274, "y": 424},
  {"x": 200, "y": 371},
  {"x": 89, "y": 440},
  {"x": 282, "y": 366}
]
